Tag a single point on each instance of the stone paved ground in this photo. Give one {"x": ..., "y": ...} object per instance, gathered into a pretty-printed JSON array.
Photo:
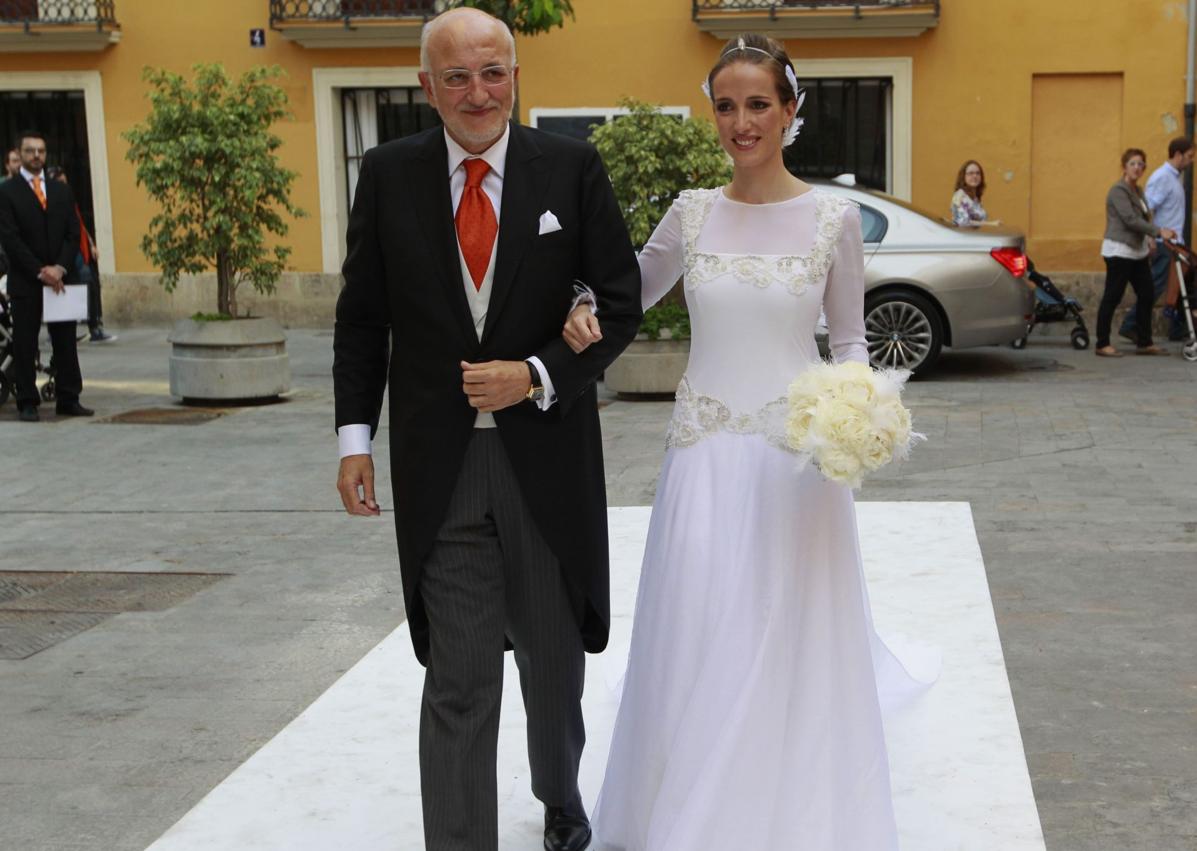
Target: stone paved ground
[{"x": 1080, "y": 472}]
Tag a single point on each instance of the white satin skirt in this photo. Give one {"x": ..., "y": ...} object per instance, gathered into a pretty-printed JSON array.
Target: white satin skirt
[{"x": 751, "y": 707}]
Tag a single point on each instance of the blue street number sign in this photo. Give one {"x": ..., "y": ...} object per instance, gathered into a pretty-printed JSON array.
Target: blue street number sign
[{"x": 257, "y": 38}]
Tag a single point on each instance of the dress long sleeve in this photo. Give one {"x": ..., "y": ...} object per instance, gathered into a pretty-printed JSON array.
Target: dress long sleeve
[
  {"x": 843, "y": 300},
  {"x": 661, "y": 260}
]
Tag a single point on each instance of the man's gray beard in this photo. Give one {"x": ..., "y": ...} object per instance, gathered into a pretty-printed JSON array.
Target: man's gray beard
[{"x": 487, "y": 138}]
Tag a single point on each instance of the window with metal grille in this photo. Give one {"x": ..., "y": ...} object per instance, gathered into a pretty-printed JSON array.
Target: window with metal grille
[
  {"x": 374, "y": 116},
  {"x": 579, "y": 122},
  {"x": 847, "y": 130}
]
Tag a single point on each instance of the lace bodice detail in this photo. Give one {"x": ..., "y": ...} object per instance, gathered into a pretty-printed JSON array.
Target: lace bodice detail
[
  {"x": 756, "y": 277},
  {"x": 795, "y": 272},
  {"x": 696, "y": 416}
]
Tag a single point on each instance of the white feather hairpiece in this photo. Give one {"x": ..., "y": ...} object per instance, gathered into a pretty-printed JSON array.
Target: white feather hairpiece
[{"x": 796, "y": 125}]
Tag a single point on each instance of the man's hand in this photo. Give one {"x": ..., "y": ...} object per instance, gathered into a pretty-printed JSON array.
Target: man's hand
[
  {"x": 581, "y": 329},
  {"x": 496, "y": 384},
  {"x": 52, "y": 276},
  {"x": 1167, "y": 234},
  {"x": 357, "y": 472}
]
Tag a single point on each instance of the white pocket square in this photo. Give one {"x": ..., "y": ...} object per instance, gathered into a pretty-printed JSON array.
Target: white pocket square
[{"x": 548, "y": 223}]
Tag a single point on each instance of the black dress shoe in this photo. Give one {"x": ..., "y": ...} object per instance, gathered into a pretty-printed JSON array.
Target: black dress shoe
[
  {"x": 29, "y": 415},
  {"x": 73, "y": 409},
  {"x": 563, "y": 832}
]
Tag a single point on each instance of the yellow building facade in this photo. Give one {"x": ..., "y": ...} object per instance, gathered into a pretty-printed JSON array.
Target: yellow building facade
[{"x": 1044, "y": 93}]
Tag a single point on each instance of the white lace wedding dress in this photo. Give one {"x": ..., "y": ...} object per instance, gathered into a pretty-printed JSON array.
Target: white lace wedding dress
[{"x": 750, "y": 712}]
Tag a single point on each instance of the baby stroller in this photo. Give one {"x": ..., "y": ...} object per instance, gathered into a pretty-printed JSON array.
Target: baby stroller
[
  {"x": 7, "y": 381},
  {"x": 1179, "y": 294},
  {"x": 1051, "y": 305}
]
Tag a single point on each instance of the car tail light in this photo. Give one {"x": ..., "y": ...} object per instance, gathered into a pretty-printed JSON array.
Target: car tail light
[{"x": 1013, "y": 259}]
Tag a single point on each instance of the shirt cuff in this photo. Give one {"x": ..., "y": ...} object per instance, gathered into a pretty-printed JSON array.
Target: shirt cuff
[
  {"x": 583, "y": 295},
  {"x": 550, "y": 395},
  {"x": 354, "y": 439}
]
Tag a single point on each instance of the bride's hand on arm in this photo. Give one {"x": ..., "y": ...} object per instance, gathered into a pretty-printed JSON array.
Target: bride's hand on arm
[
  {"x": 581, "y": 329},
  {"x": 660, "y": 268}
]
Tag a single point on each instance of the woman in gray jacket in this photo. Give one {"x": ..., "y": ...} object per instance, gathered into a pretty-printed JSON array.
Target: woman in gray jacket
[{"x": 1130, "y": 238}]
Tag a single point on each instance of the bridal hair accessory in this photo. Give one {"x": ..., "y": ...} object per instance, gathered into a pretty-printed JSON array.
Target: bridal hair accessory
[
  {"x": 849, "y": 418},
  {"x": 796, "y": 125},
  {"x": 799, "y": 95}
]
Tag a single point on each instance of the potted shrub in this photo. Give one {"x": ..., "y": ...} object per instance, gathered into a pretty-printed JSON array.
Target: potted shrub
[
  {"x": 207, "y": 156},
  {"x": 651, "y": 157}
]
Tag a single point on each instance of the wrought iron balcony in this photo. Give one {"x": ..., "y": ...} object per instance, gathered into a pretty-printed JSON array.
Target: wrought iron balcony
[
  {"x": 817, "y": 18},
  {"x": 57, "y": 25},
  {"x": 353, "y": 23}
]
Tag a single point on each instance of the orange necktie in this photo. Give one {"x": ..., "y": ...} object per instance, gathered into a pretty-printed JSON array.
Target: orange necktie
[
  {"x": 36, "y": 183},
  {"x": 476, "y": 222}
]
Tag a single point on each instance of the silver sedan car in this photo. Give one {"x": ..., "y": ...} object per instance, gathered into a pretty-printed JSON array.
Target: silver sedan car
[{"x": 929, "y": 284}]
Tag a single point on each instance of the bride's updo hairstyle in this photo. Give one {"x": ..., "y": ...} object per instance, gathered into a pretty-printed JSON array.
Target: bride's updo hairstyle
[{"x": 757, "y": 49}]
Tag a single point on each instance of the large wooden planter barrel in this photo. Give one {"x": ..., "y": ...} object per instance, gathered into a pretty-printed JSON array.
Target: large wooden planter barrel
[
  {"x": 649, "y": 366},
  {"x": 242, "y": 360}
]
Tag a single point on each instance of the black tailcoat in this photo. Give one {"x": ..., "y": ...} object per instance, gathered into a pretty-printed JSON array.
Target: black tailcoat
[
  {"x": 403, "y": 323},
  {"x": 33, "y": 237}
]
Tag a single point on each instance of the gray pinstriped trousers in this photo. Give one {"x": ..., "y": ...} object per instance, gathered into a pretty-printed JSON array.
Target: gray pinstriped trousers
[{"x": 489, "y": 575}]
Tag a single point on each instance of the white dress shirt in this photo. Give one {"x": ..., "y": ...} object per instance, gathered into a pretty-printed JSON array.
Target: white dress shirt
[
  {"x": 1166, "y": 197},
  {"x": 354, "y": 438},
  {"x": 40, "y": 178}
]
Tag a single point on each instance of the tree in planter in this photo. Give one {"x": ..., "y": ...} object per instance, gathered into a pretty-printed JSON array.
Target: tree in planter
[
  {"x": 651, "y": 157},
  {"x": 206, "y": 155},
  {"x": 525, "y": 17}
]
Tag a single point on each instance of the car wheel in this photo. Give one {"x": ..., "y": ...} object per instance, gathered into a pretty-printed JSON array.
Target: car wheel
[{"x": 903, "y": 331}]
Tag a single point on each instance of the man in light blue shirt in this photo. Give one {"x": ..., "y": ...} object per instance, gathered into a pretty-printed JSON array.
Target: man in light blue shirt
[{"x": 1166, "y": 198}]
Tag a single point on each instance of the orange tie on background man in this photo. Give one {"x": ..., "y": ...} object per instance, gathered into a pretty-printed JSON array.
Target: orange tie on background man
[
  {"x": 476, "y": 222},
  {"x": 36, "y": 183}
]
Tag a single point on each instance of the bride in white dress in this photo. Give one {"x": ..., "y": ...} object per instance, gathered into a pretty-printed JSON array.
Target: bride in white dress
[{"x": 750, "y": 715}]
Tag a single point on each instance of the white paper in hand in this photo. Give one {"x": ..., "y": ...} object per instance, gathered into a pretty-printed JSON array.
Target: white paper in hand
[{"x": 68, "y": 306}]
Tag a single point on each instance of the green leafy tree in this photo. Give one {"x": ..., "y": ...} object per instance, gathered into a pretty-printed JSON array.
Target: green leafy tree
[
  {"x": 525, "y": 17},
  {"x": 651, "y": 157},
  {"x": 207, "y": 156}
]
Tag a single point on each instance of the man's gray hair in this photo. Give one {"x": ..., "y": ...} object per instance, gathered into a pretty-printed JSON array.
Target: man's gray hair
[{"x": 432, "y": 26}]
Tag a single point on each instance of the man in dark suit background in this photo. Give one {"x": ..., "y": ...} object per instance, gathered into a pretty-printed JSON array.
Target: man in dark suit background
[
  {"x": 40, "y": 234},
  {"x": 464, "y": 244}
]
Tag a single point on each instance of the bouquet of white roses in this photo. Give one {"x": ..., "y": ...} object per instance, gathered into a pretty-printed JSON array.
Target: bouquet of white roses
[{"x": 850, "y": 419}]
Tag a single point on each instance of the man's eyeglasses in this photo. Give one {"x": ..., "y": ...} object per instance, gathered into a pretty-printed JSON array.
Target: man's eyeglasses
[{"x": 491, "y": 75}]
